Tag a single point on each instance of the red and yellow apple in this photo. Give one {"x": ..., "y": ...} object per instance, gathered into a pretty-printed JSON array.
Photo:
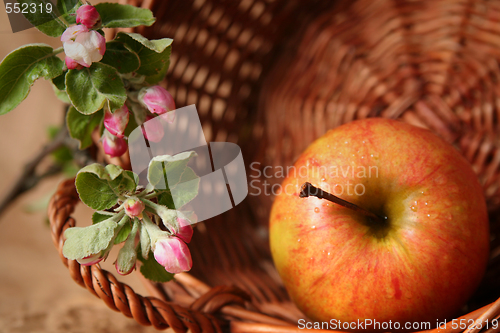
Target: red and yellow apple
[{"x": 420, "y": 262}]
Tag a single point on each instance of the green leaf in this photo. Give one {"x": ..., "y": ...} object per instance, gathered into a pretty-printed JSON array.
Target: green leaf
[
  {"x": 124, "y": 183},
  {"x": 59, "y": 87},
  {"x": 62, "y": 155},
  {"x": 120, "y": 57},
  {"x": 115, "y": 15},
  {"x": 154, "y": 79},
  {"x": 60, "y": 81},
  {"x": 100, "y": 187},
  {"x": 152, "y": 270},
  {"x": 131, "y": 175},
  {"x": 61, "y": 94},
  {"x": 154, "y": 54},
  {"x": 81, "y": 126},
  {"x": 132, "y": 39},
  {"x": 99, "y": 217},
  {"x": 92, "y": 184},
  {"x": 123, "y": 233},
  {"x": 52, "y": 131},
  {"x": 68, "y": 7},
  {"x": 21, "y": 68},
  {"x": 95, "y": 192},
  {"x": 45, "y": 21},
  {"x": 89, "y": 88},
  {"x": 83, "y": 242},
  {"x": 165, "y": 199}
]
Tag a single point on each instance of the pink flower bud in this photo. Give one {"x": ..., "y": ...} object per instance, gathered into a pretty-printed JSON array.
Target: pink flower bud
[
  {"x": 185, "y": 230},
  {"x": 173, "y": 254},
  {"x": 88, "y": 16},
  {"x": 85, "y": 48},
  {"x": 134, "y": 208},
  {"x": 116, "y": 122},
  {"x": 71, "y": 64},
  {"x": 157, "y": 99},
  {"x": 72, "y": 32},
  {"x": 114, "y": 146},
  {"x": 91, "y": 260},
  {"x": 153, "y": 129}
]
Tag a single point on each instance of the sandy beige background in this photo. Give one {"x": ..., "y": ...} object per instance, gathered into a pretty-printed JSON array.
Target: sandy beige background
[{"x": 37, "y": 294}]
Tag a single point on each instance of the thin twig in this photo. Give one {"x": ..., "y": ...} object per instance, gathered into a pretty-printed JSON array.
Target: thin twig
[{"x": 29, "y": 178}]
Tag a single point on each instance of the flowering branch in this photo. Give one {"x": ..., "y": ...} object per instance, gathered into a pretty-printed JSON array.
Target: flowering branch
[
  {"x": 111, "y": 88},
  {"x": 104, "y": 82},
  {"x": 122, "y": 212},
  {"x": 28, "y": 179}
]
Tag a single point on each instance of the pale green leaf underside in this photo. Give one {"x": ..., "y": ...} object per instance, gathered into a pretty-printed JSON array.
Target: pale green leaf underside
[
  {"x": 83, "y": 242},
  {"x": 171, "y": 166}
]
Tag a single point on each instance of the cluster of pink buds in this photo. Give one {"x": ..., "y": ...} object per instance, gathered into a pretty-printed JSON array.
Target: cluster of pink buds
[
  {"x": 82, "y": 45},
  {"x": 171, "y": 251},
  {"x": 113, "y": 139}
]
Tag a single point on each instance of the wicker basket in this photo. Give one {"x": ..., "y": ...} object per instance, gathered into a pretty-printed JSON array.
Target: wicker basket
[{"x": 274, "y": 75}]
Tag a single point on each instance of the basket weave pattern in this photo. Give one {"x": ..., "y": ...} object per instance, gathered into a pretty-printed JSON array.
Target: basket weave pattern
[{"x": 273, "y": 76}]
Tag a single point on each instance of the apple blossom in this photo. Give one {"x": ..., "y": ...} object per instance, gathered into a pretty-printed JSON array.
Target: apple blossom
[
  {"x": 134, "y": 208},
  {"x": 117, "y": 121},
  {"x": 91, "y": 260},
  {"x": 88, "y": 16},
  {"x": 113, "y": 145},
  {"x": 72, "y": 32},
  {"x": 157, "y": 99},
  {"x": 72, "y": 64},
  {"x": 153, "y": 129},
  {"x": 84, "y": 47},
  {"x": 185, "y": 230},
  {"x": 173, "y": 254}
]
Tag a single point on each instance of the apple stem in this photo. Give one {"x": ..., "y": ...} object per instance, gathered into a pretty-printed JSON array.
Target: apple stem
[{"x": 307, "y": 189}]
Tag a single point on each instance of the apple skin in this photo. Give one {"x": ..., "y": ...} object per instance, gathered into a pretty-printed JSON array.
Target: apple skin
[{"x": 422, "y": 265}]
